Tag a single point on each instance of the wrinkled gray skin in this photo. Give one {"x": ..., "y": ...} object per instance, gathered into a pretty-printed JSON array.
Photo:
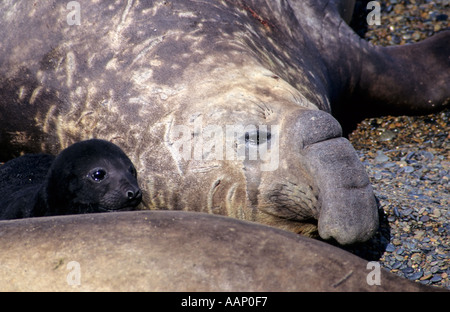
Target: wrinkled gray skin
[
  {"x": 134, "y": 70},
  {"x": 175, "y": 251}
]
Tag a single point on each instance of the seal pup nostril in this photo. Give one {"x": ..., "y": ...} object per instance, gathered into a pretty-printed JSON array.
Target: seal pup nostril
[
  {"x": 134, "y": 194},
  {"x": 130, "y": 194}
]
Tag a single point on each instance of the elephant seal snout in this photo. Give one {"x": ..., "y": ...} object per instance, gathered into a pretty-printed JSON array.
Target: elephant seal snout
[
  {"x": 321, "y": 178},
  {"x": 348, "y": 209}
]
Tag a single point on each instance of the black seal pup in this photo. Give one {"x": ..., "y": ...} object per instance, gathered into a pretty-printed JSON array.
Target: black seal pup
[{"x": 88, "y": 176}]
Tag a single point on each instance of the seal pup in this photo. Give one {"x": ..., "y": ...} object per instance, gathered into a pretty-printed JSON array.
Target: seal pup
[
  {"x": 161, "y": 77},
  {"x": 88, "y": 176},
  {"x": 177, "y": 251}
]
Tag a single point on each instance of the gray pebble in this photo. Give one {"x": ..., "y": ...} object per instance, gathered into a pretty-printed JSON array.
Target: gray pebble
[
  {"x": 427, "y": 155},
  {"x": 436, "y": 278},
  {"x": 434, "y": 269},
  {"x": 387, "y": 135},
  {"x": 408, "y": 270},
  {"x": 400, "y": 251},
  {"x": 396, "y": 265},
  {"x": 416, "y": 275},
  {"x": 390, "y": 247},
  {"x": 380, "y": 158},
  {"x": 406, "y": 212}
]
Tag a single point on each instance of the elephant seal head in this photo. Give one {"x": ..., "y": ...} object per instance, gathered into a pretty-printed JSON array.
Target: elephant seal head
[{"x": 273, "y": 161}]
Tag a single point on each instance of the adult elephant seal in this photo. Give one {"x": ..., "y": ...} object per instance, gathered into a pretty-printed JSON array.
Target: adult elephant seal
[
  {"x": 187, "y": 88},
  {"x": 176, "y": 251}
]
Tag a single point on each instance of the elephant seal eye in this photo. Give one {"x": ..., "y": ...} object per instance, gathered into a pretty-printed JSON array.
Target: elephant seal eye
[
  {"x": 98, "y": 175},
  {"x": 257, "y": 137}
]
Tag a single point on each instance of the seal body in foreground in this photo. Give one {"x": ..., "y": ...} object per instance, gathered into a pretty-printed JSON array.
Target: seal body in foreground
[
  {"x": 88, "y": 176},
  {"x": 176, "y": 251},
  {"x": 189, "y": 88}
]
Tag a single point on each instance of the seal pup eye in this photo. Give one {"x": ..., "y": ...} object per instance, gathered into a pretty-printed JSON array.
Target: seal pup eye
[
  {"x": 257, "y": 137},
  {"x": 98, "y": 175}
]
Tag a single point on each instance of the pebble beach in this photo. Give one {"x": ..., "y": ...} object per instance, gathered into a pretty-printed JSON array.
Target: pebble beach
[{"x": 408, "y": 161}]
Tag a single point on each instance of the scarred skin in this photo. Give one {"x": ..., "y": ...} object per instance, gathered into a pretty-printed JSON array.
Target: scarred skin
[{"x": 132, "y": 72}]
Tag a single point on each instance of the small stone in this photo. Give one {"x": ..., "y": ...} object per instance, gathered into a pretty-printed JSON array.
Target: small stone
[
  {"x": 415, "y": 276},
  {"x": 396, "y": 265},
  {"x": 417, "y": 257},
  {"x": 387, "y": 135},
  {"x": 419, "y": 234},
  {"x": 416, "y": 36},
  {"x": 436, "y": 213},
  {"x": 436, "y": 278},
  {"x": 407, "y": 212},
  {"x": 425, "y": 277},
  {"x": 390, "y": 247},
  {"x": 427, "y": 155},
  {"x": 408, "y": 169},
  {"x": 408, "y": 270},
  {"x": 434, "y": 269},
  {"x": 381, "y": 157},
  {"x": 400, "y": 251}
]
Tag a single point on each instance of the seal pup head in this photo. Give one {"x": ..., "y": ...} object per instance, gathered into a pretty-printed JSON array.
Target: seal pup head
[{"x": 90, "y": 176}]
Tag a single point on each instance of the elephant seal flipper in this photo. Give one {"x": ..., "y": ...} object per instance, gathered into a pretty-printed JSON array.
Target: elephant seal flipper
[
  {"x": 89, "y": 176},
  {"x": 369, "y": 81},
  {"x": 410, "y": 79}
]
